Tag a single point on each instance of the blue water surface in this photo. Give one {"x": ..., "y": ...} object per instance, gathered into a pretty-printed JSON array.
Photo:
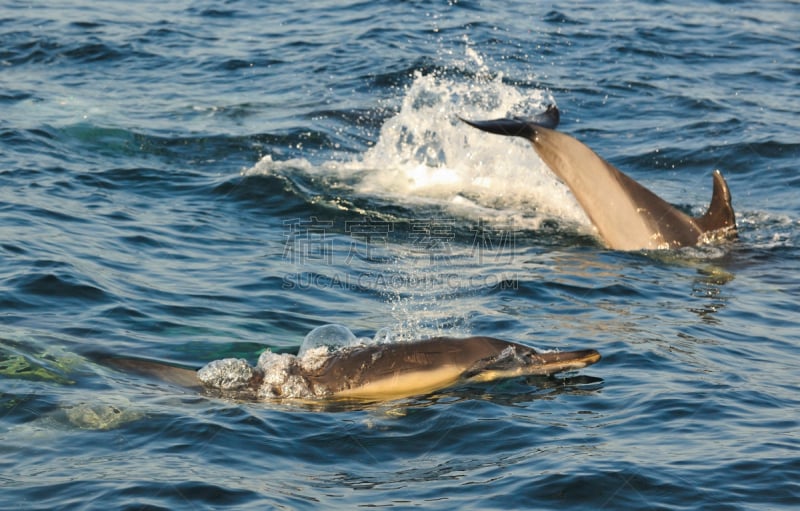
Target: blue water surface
[{"x": 186, "y": 181}]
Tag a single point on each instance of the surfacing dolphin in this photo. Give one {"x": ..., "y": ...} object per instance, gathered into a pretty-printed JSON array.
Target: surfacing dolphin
[
  {"x": 368, "y": 372},
  {"x": 627, "y": 215}
]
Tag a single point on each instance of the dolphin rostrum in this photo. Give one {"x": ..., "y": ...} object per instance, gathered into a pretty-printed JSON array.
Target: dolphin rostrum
[
  {"x": 367, "y": 372},
  {"x": 627, "y": 215}
]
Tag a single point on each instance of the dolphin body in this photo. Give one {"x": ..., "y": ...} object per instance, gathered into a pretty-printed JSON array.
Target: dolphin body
[
  {"x": 627, "y": 215},
  {"x": 383, "y": 371}
]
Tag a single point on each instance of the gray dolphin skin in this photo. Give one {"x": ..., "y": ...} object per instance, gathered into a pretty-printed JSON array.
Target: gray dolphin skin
[
  {"x": 627, "y": 215},
  {"x": 393, "y": 371}
]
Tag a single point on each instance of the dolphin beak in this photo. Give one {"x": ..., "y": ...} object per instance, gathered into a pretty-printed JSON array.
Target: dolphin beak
[
  {"x": 557, "y": 362},
  {"x": 540, "y": 364}
]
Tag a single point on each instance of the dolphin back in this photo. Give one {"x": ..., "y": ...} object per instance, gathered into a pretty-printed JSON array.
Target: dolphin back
[{"x": 627, "y": 215}]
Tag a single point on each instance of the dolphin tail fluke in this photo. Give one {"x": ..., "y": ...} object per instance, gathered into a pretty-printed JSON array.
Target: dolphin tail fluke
[
  {"x": 719, "y": 218},
  {"x": 518, "y": 127},
  {"x": 165, "y": 372},
  {"x": 549, "y": 118}
]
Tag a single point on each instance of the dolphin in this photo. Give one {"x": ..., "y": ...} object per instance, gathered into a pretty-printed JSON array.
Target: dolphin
[
  {"x": 627, "y": 215},
  {"x": 378, "y": 371}
]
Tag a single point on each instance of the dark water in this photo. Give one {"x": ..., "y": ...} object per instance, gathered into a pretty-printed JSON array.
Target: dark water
[{"x": 192, "y": 180}]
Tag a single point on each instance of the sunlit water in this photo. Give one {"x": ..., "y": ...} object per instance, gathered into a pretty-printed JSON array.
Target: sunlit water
[{"x": 196, "y": 181}]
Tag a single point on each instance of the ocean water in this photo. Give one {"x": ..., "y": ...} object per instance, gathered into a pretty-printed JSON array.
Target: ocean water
[{"x": 187, "y": 181}]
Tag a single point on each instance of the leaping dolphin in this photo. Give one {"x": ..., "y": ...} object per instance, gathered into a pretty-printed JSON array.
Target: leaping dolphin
[
  {"x": 627, "y": 215},
  {"x": 377, "y": 371}
]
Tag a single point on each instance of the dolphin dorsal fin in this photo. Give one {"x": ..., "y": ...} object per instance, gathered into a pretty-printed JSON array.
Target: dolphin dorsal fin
[{"x": 720, "y": 215}]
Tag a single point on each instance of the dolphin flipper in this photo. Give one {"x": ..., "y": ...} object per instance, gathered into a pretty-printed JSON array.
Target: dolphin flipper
[{"x": 626, "y": 215}]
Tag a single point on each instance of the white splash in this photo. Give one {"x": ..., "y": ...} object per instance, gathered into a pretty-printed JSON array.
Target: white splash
[
  {"x": 426, "y": 156},
  {"x": 280, "y": 375}
]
